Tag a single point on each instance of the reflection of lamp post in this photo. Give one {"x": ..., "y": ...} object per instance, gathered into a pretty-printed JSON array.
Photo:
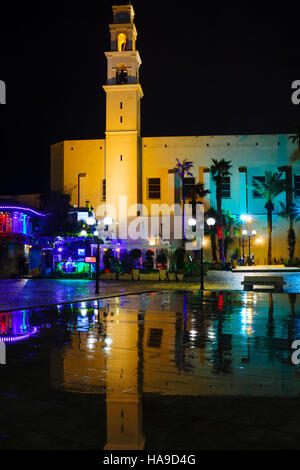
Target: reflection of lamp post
[{"x": 80, "y": 175}]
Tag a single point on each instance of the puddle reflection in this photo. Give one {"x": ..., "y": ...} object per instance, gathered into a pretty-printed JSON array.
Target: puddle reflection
[{"x": 167, "y": 344}]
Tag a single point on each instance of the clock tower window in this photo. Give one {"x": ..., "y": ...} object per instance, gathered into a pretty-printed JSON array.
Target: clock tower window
[
  {"x": 122, "y": 41},
  {"x": 122, "y": 75}
]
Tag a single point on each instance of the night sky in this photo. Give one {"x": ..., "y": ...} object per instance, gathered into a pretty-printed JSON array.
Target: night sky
[{"x": 214, "y": 71}]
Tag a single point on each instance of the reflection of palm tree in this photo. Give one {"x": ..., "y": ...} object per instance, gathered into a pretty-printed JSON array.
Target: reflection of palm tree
[
  {"x": 269, "y": 190},
  {"x": 292, "y": 300},
  {"x": 270, "y": 329},
  {"x": 222, "y": 361}
]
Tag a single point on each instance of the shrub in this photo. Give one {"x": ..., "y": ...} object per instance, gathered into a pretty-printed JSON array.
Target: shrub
[
  {"x": 179, "y": 256},
  {"x": 149, "y": 264},
  {"x": 162, "y": 259}
]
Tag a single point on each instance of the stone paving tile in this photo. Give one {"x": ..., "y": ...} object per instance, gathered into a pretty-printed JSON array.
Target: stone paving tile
[{"x": 26, "y": 293}]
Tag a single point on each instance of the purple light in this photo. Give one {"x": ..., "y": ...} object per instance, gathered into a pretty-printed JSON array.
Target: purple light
[
  {"x": 14, "y": 339},
  {"x": 22, "y": 209},
  {"x": 60, "y": 250}
]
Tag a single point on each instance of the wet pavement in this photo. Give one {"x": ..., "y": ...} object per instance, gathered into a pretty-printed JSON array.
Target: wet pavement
[
  {"x": 28, "y": 293},
  {"x": 156, "y": 371}
]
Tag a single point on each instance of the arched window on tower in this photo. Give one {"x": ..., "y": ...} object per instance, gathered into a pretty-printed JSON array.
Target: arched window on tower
[
  {"x": 122, "y": 41},
  {"x": 122, "y": 75}
]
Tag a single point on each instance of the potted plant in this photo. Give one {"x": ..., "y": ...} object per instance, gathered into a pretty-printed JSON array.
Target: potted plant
[
  {"x": 105, "y": 275},
  {"x": 180, "y": 263},
  {"x": 135, "y": 255},
  {"x": 162, "y": 261},
  {"x": 125, "y": 277},
  {"x": 149, "y": 275}
]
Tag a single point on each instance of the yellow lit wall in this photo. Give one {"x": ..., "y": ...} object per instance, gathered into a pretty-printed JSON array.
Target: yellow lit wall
[{"x": 70, "y": 158}]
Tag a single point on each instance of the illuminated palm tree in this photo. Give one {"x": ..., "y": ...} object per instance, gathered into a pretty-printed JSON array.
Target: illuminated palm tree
[
  {"x": 220, "y": 171},
  {"x": 197, "y": 191},
  {"x": 269, "y": 190},
  {"x": 231, "y": 229},
  {"x": 182, "y": 168},
  {"x": 292, "y": 215}
]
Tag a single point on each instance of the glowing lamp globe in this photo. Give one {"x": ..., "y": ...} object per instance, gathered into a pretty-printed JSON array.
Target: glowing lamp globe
[
  {"x": 211, "y": 222},
  {"x": 107, "y": 220},
  {"x": 192, "y": 222}
]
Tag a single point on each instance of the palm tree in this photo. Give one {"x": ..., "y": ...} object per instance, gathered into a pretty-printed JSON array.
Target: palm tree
[
  {"x": 231, "y": 229},
  {"x": 182, "y": 168},
  {"x": 269, "y": 190},
  {"x": 197, "y": 191},
  {"x": 296, "y": 137},
  {"x": 220, "y": 171},
  {"x": 292, "y": 214},
  {"x": 212, "y": 232}
]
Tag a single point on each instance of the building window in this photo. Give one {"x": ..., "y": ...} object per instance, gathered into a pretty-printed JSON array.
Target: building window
[
  {"x": 121, "y": 105},
  {"x": 297, "y": 186},
  {"x": 122, "y": 40},
  {"x": 258, "y": 179},
  {"x": 154, "y": 338},
  {"x": 226, "y": 188},
  {"x": 104, "y": 190},
  {"x": 188, "y": 185},
  {"x": 121, "y": 119},
  {"x": 122, "y": 75},
  {"x": 154, "y": 188}
]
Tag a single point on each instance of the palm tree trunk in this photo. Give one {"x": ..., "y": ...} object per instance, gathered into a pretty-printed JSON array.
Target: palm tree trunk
[
  {"x": 291, "y": 242},
  {"x": 219, "y": 224},
  {"x": 183, "y": 214},
  {"x": 270, "y": 227},
  {"x": 213, "y": 246}
]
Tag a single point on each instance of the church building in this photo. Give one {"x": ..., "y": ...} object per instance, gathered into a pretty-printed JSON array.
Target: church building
[{"x": 140, "y": 168}]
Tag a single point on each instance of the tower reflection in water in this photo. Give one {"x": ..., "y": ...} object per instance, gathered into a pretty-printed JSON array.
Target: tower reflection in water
[{"x": 172, "y": 345}]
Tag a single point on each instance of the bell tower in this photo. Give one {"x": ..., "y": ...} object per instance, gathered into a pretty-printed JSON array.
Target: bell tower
[{"x": 123, "y": 116}]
